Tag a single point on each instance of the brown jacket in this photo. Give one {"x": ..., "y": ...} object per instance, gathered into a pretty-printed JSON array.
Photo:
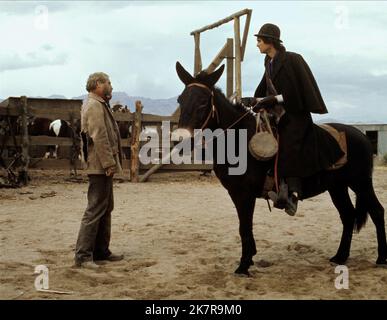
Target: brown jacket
[{"x": 101, "y": 144}]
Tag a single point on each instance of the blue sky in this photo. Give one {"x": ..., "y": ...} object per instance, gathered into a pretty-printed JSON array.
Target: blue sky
[{"x": 51, "y": 47}]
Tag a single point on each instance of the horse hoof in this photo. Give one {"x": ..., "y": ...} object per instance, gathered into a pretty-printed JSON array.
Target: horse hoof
[
  {"x": 381, "y": 262},
  {"x": 243, "y": 272},
  {"x": 338, "y": 260}
]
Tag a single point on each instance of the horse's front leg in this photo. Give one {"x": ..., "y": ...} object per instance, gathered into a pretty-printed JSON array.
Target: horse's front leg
[{"x": 244, "y": 202}]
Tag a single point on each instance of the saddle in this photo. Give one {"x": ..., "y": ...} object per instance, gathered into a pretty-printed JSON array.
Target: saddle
[{"x": 341, "y": 141}]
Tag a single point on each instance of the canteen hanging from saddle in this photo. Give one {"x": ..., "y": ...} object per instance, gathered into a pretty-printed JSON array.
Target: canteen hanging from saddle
[{"x": 263, "y": 146}]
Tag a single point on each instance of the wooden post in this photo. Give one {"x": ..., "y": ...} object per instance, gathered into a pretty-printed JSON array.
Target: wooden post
[
  {"x": 198, "y": 57},
  {"x": 238, "y": 74},
  {"x": 245, "y": 34},
  {"x": 220, "y": 22},
  {"x": 25, "y": 140},
  {"x": 156, "y": 167},
  {"x": 238, "y": 53},
  {"x": 218, "y": 59},
  {"x": 135, "y": 144},
  {"x": 230, "y": 67},
  {"x": 75, "y": 147}
]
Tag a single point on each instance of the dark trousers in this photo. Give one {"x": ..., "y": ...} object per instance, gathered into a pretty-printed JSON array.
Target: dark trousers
[{"x": 94, "y": 234}]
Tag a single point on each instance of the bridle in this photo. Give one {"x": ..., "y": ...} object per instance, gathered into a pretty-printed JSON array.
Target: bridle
[{"x": 213, "y": 110}]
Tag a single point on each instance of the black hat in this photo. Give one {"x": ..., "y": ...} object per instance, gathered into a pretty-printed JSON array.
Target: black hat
[{"x": 269, "y": 30}]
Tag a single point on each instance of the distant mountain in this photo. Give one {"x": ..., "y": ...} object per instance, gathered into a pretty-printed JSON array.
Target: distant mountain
[
  {"x": 327, "y": 120},
  {"x": 350, "y": 120},
  {"x": 153, "y": 106},
  {"x": 56, "y": 96},
  {"x": 163, "y": 107},
  {"x": 53, "y": 96}
]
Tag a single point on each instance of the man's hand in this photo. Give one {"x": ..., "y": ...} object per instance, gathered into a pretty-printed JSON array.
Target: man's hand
[
  {"x": 265, "y": 103},
  {"x": 249, "y": 101},
  {"x": 110, "y": 171}
]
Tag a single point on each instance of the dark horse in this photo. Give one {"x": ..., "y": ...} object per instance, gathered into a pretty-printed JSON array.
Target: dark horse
[{"x": 200, "y": 99}]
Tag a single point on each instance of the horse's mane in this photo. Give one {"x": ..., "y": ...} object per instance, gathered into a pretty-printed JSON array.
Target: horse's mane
[{"x": 239, "y": 107}]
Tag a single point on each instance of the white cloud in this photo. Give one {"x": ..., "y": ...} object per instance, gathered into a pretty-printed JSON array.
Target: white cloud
[
  {"x": 14, "y": 61},
  {"x": 379, "y": 72}
]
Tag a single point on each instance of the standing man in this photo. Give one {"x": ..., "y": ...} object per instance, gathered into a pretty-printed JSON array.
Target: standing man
[
  {"x": 304, "y": 148},
  {"x": 101, "y": 151}
]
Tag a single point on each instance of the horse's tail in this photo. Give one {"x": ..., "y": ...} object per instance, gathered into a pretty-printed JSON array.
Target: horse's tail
[
  {"x": 366, "y": 203},
  {"x": 360, "y": 169},
  {"x": 361, "y": 211}
]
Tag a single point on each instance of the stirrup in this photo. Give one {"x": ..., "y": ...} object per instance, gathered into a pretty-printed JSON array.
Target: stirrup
[
  {"x": 291, "y": 207},
  {"x": 277, "y": 203}
]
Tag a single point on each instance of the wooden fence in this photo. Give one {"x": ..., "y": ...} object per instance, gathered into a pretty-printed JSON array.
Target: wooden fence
[{"x": 69, "y": 110}]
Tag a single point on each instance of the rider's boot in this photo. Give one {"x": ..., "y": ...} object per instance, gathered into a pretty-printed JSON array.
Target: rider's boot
[{"x": 282, "y": 200}]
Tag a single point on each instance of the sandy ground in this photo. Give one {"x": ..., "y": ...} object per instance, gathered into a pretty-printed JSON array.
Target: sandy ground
[{"x": 179, "y": 234}]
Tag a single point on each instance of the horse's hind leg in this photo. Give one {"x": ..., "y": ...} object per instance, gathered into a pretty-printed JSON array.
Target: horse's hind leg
[
  {"x": 367, "y": 201},
  {"x": 245, "y": 203},
  {"x": 342, "y": 202},
  {"x": 377, "y": 216}
]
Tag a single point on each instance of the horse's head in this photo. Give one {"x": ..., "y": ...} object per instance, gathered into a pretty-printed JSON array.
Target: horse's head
[{"x": 196, "y": 101}]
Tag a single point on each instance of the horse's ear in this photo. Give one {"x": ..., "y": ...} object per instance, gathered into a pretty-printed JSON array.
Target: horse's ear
[
  {"x": 184, "y": 75},
  {"x": 214, "y": 77}
]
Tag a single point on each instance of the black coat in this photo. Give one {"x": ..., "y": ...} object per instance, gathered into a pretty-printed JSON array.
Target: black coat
[{"x": 304, "y": 148}]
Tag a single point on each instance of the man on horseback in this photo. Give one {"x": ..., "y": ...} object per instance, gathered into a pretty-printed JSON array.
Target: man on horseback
[{"x": 292, "y": 94}]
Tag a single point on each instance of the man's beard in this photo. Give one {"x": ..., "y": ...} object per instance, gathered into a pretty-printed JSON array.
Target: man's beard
[{"x": 108, "y": 95}]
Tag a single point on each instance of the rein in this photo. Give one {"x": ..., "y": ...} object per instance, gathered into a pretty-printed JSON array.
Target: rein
[{"x": 213, "y": 108}]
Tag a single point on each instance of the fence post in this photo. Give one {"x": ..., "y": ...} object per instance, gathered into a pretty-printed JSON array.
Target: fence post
[
  {"x": 198, "y": 58},
  {"x": 23, "y": 175},
  {"x": 230, "y": 67},
  {"x": 135, "y": 144},
  {"x": 75, "y": 147},
  {"x": 238, "y": 58}
]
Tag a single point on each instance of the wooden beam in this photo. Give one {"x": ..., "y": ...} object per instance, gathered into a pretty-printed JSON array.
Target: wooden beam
[
  {"x": 238, "y": 71},
  {"x": 58, "y": 164},
  {"x": 63, "y": 164},
  {"x": 198, "y": 58},
  {"x": 40, "y": 141},
  {"x": 220, "y": 22},
  {"x": 156, "y": 167},
  {"x": 56, "y": 113},
  {"x": 52, "y": 114},
  {"x": 155, "y": 118},
  {"x": 47, "y": 141},
  {"x": 218, "y": 59},
  {"x": 180, "y": 167},
  {"x": 146, "y": 117},
  {"x": 125, "y": 143},
  {"x": 127, "y": 116},
  {"x": 245, "y": 34},
  {"x": 230, "y": 67},
  {"x": 25, "y": 140},
  {"x": 135, "y": 145},
  {"x": 68, "y": 105}
]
